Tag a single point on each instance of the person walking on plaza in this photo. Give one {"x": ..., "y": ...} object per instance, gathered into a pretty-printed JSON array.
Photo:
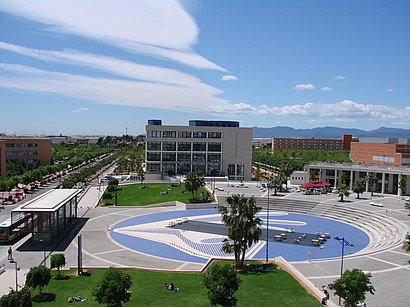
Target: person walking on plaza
[{"x": 10, "y": 254}]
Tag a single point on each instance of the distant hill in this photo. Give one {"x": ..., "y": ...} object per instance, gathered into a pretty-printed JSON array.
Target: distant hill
[{"x": 328, "y": 132}]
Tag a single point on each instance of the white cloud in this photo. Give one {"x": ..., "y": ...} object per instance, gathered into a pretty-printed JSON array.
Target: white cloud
[
  {"x": 108, "y": 64},
  {"x": 190, "y": 97},
  {"x": 304, "y": 87},
  {"x": 326, "y": 89},
  {"x": 80, "y": 109},
  {"x": 229, "y": 78},
  {"x": 343, "y": 110},
  {"x": 158, "y": 28},
  {"x": 339, "y": 77},
  {"x": 390, "y": 90}
]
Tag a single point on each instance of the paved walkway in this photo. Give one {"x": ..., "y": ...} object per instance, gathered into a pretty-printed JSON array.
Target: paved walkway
[{"x": 390, "y": 267}]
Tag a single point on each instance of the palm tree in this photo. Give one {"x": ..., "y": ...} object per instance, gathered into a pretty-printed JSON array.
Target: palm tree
[
  {"x": 286, "y": 169},
  {"x": 194, "y": 181},
  {"x": 243, "y": 226},
  {"x": 403, "y": 184},
  {"x": 359, "y": 187},
  {"x": 372, "y": 180},
  {"x": 342, "y": 191}
]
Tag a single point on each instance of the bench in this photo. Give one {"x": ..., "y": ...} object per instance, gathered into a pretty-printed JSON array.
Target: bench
[{"x": 315, "y": 242}]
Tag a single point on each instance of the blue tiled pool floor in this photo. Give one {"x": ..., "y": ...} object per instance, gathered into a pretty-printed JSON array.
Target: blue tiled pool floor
[{"x": 150, "y": 234}]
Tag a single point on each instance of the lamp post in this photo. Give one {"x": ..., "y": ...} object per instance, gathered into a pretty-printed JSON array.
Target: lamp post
[
  {"x": 267, "y": 227},
  {"x": 344, "y": 243},
  {"x": 41, "y": 241},
  {"x": 16, "y": 269}
]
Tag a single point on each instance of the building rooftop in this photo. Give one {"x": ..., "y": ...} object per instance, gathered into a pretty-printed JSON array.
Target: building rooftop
[{"x": 50, "y": 201}]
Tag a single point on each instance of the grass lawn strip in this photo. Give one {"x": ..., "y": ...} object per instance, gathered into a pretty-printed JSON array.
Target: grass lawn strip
[
  {"x": 262, "y": 285},
  {"x": 135, "y": 195}
]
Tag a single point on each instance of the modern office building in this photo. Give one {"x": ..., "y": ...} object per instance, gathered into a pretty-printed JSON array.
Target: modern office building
[
  {"x": 312, "y": 143},
  {"x": 385, "y": 151},
  {"x": 28, "y": 150},
  {"x": 218, "y": 148}
]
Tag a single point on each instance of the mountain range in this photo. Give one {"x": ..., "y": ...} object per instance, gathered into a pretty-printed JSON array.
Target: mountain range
[{"x": 328, "y": 132}]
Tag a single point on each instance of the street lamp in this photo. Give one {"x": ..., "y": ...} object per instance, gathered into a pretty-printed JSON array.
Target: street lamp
[
  {"x": 344, "y": 243},
  {"x": 16, "y": 269},
  {"x": 267, "y": 227},
  {"x": 41, "y": 241}
]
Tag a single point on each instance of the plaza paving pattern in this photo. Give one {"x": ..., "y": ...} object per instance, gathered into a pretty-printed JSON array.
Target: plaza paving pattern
[{"x": 384, "y": 228}]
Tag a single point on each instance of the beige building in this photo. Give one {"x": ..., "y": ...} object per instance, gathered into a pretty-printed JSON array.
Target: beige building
[
  {"x": 218, "y": 148},
  {"x": 28, "y": 150}
]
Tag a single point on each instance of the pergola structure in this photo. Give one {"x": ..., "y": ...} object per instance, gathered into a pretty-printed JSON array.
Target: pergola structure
[{"x": 47, "y": 216}]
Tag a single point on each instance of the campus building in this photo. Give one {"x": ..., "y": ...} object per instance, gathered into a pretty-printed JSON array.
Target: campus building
[
  {"x": 348, "y": 173},
  {"x": 218, "y": 148},
  {"x": 312, "y": 143},
  {"x": 392, "y": 151},
  {"x": 30, "y": 151}
]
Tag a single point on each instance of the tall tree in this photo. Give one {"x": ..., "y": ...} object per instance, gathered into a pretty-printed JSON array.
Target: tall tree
[
  {"x": 403, "y": 184},
  {"x": 243, "y": 226},
  {"x": 57, "y": 261},
  {"x": 222, "y": 282},
  {"x": 38, "y": 276},
  {"x": 359, "y": 187},
  {"x": 112, "y": 288},
  {"x": 352, "y": 287},
  {"x": 193, "y": 182},
  {"x": 372, "y": 179},
  {"x": 342, "y": 190}
]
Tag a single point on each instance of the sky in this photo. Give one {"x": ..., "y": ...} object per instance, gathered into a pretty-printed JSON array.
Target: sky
[{"x": 106, "y": 67}]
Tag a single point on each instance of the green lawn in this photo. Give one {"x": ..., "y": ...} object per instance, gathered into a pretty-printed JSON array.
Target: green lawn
[
  {"x": 269, "y": 287},
  {"x": 135, "y": 195}
]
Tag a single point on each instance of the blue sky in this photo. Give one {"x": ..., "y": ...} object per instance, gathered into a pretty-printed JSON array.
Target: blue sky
[{"x": 106, "y": 67}]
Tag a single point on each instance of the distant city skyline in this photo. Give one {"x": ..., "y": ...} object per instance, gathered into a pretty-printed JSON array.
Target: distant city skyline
[{"x": 105, "y": 68}]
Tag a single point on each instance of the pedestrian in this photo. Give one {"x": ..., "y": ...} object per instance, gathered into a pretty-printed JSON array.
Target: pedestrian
[
  {"x": 325, "y": 297},
  {"x": 10, "y": 254}
]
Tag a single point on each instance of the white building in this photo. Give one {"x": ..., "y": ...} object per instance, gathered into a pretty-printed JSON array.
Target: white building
[{"x": 218, "y": 148}]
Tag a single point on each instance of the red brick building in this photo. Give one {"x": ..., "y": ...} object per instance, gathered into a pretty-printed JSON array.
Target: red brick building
[
  {"x": 312, "y": 143},
  {"x": 380, "y": 153},
  {"x": 30, "y": 150}
]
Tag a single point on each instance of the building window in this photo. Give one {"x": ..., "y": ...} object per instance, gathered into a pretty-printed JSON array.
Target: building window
[
  {"x": 183, "y": 168},
  {"x": 184, "y": 157},
  {"x": 168, "y": 156},
  {"x": 153, "y": 167},
  {"x": 168, "y": 146},
  {"x": 11, "y": 153},
  {"x": 154, "y": 146},
  {"x": 184, "y": 134},
  {"x": 32, "y": 145},
  {"x": 10, "y": 145},
  {"x": 240, "y": 170},
  {"x": 199, "y": 167},
  {"x": 199, "y": 146},
  {"x": 199, "y": 157},
  {"x": 168, "y": 168},
  {"x": 169, "y": 134},
  {"x": 214, "y": 157},
  {"x": 214, "y": 135},
  {"x": 184, "y": 146},
  {"x": 199, "y": 134},
  {"x": 215, "y": 147},
  {"x": 21, "y": 145},
  {"x": 153, "y": 134},
  {"x": 153, "y": 156}
]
